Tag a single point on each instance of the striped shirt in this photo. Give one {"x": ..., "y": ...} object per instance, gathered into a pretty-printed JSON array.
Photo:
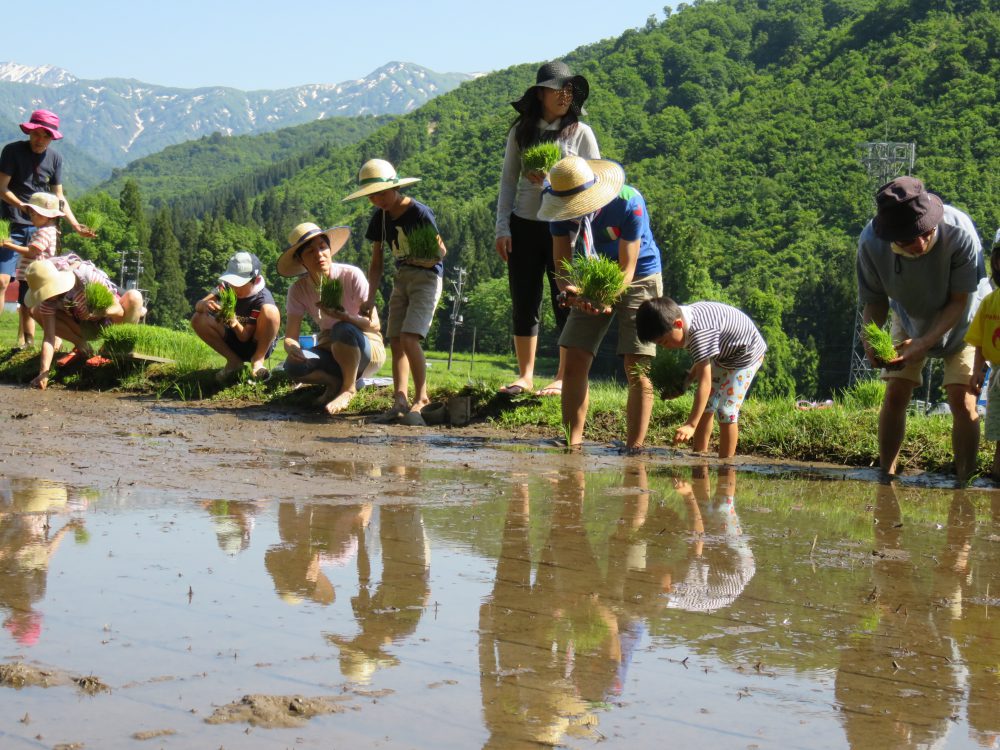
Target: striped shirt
[
  {"x": 74, "y": 302},
  {"x": 44, "y": 242},
  {"x": 722, "y": 334}
]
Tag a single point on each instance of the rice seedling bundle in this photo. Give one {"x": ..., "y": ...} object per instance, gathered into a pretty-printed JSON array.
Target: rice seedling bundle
[
  {"x": 668, "y": 371},
  {"x": 541, "y": 157},
  {"x": 4, "y": 230},
  {"x": 227, "y": 305},
  {"x": 94, "y": 219},
  {"x": 331, "y": 294},
  {"x": 599, "y": 279},
  {"x": 880, "y": 341},
  {"x": 99, "y": 298},
  {"x": 189, "y": 351},
  {"x": 423, "y": 242}
]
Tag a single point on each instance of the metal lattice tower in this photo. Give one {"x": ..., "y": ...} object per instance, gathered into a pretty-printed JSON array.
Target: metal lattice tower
[{"x": 882, "y": 160}]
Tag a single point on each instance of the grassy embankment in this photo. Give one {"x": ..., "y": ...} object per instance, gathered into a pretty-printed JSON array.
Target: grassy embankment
[{"x": 844, "y": 434}]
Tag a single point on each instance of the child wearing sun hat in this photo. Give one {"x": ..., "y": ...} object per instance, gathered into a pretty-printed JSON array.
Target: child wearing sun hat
[
  {"x": 588, "y": 203},
  {"x": 408, "y": 230}
]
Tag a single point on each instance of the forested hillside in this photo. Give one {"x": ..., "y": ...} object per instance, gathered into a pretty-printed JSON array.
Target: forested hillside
[{"x": 739, "y": 121}]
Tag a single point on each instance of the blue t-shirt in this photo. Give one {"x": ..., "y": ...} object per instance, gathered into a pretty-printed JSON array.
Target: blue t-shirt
[
  {"x": 29, "y": 173},
  {"x": 624, "y": 218},
  {"x": 387, "y": 230}
]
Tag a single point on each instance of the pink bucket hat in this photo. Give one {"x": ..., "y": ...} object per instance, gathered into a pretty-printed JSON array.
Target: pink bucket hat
[{"x": 42, "y": 118}]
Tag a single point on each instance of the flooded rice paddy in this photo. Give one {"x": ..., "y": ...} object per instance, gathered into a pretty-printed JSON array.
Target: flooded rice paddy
[{"x": 561, "y": 605}]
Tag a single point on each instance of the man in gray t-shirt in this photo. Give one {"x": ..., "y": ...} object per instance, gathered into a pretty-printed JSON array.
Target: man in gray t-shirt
[{"x": 924, "y": 261}]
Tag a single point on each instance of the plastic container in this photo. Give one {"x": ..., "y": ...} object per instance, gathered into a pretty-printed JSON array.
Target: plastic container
[{"x": 307, "y": 342}]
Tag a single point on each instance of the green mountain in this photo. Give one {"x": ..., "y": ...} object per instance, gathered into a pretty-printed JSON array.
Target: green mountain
[{"x": 739, "y": 120}]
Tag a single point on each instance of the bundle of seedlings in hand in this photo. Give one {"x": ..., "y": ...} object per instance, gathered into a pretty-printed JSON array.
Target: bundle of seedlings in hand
[
  {"x": 423, "y": 243},
  {"x": 94, "y": 219},
  {"x": 227, "y": 305},
  {"x": 880, "y": 341},
  {"x": 99, "y": 298},
  {"x": 599, "y": 279},
  {"x": 669, "y": 370},
  {"x": 4, "y": 230},
  {"x": 541, "y": 157},
  {"x": 331, "y": 294}
]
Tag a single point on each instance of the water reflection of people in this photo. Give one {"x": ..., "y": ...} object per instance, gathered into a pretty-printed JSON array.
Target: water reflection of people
[
  {"x": 897, "y": 684},
  {"x": 233, "y": 521},
  {"x": 27, "y": 544},
  {"x": 393, "y": 609},
  {"x": 313, "y": 535}
]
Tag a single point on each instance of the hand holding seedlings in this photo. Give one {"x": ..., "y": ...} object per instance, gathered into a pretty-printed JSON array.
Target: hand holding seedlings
[{"x": 879, "y": 347}]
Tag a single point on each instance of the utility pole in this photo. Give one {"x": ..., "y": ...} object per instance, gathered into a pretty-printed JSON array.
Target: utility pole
[
  {"x": 883, "y": 161},
  {"x": 131, "y": 269},
  {"x": 456, "y": 309}
]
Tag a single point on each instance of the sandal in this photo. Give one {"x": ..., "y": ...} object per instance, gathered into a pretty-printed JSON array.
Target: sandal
[
  {"x": 550, "y": 390},
  {"x": 513, "y": 390}
]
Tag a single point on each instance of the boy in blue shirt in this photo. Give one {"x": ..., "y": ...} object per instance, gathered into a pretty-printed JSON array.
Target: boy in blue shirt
[{"x": 588, "y": 203}]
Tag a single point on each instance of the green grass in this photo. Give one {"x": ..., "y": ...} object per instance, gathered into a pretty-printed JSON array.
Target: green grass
[
  {"x": 4, "y": 230},
  {"x": 331, "y": 294},
  {"x": 423, "y": 242},
  {"x": 541, "y": 157},
  {"x": 880, "y": 341},
  {"x": 99, "y": 298},
  {"x": 599, "y": 279},
  {"x": 227, "y": 304}
]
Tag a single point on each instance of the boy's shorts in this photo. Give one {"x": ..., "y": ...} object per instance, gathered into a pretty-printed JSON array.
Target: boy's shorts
[
  {"x": 586, "y": 331},
  {"x": 729, "y": 388},
  {"x": 20, "y": 234},
  {"x": 957, "y": 366},
  {"x": 992, "y": 420},
  {"x": 415, "y": 294},
  {"x": 244, "y": 349}
]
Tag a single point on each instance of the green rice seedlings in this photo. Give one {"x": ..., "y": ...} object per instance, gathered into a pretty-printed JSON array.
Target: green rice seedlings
[
  {"x": 94, "y": 220},
  {"x": 669, "y": 371},
  {"x": 331, "y": 294},
  {"x": 880, "y": 341},
  {"x": 4, "y": 230},
  {"x": 541, "y": 157},
  {"x": 423, "y": 244},
  {"x": 227, "y": 305},
  {"x": 599, "y": 279},
  {"x": 99, "y": 298}
]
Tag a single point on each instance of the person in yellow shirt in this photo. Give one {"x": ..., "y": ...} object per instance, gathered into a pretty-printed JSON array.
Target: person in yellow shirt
[{"x": 984, "y": 334}]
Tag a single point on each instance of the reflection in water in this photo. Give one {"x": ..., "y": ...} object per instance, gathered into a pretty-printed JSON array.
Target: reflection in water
[
  {"x": 390, "y": 612},
  {"x": 29, "y": 510},
  {"x": 233, "y": 521},
  {"x": 554, "y": 648}
]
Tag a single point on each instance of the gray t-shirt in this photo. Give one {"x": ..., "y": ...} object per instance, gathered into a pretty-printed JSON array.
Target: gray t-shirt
[{"x": 918, "y": 288}]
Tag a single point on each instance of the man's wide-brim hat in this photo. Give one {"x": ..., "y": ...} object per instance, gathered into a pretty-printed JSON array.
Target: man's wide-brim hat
[
  {"x": 377, "y": 175},
  {"x": 555, "y": 75},
  {"x": 289, "y": 264},
  {"x": 905, "y": 210},
  {"x": 45, "y": 281},
  {"x": 578, "y": 187},
  {"x": 42, "y": 118}
]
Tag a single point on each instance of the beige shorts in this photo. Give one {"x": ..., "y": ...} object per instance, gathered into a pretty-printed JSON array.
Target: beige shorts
[
  {"x": 415, "y": 294},
  {"x": 957, "y": 366},
  {"x": 586, "y": 331}
]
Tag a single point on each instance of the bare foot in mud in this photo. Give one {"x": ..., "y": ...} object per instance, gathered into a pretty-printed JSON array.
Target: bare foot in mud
[
  {"x": 329, "y": 394},
  {"x": 341, "y": 402}
]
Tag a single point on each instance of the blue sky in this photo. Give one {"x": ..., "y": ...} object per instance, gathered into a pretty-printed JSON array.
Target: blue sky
[{"x": 262, "y": 45}]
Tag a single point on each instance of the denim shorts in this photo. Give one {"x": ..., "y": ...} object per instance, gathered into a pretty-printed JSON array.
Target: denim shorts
[
  {"x": 20, "y": 234},
  {"x": 342, "y": 333}
]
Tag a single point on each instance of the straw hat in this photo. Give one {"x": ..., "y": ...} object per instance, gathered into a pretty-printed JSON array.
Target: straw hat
[
  {"x": 45, "y": 282},
  {"x": 46, "y": 204},
  {"x": 579, "y": 186},
  {"x": 377, "y": 175},
  {"x": 289, "y": 265},
  {"x": 42, "y": 118}
]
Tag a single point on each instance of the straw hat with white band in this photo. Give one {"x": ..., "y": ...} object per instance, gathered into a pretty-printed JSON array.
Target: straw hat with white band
[
  {"x": 289, "y": 264},
  {"x": 578, "y": 187},
  {"x": 377, "y": 175},
  {"x": 45, "y": 281}
]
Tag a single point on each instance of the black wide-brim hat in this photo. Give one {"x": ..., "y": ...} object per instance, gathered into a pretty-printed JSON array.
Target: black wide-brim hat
[
  {"x": 555, "y": 75},
  {"x": 905, "y": 210}
]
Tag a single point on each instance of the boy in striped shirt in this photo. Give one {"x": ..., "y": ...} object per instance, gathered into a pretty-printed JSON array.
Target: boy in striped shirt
[{"x": 727, "y": 350}]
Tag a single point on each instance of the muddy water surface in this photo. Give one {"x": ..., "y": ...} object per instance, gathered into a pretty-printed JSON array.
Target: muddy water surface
[{"x": 450, "y": 605}]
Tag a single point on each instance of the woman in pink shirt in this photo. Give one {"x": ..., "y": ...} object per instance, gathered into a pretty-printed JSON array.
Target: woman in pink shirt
[{"x": 349, "y": 344}]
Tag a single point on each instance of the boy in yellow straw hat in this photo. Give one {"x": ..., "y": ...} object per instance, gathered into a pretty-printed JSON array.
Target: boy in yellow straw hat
[
  {"x": 397, "y": 224},
  {"x": 588, "y": 202}
]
